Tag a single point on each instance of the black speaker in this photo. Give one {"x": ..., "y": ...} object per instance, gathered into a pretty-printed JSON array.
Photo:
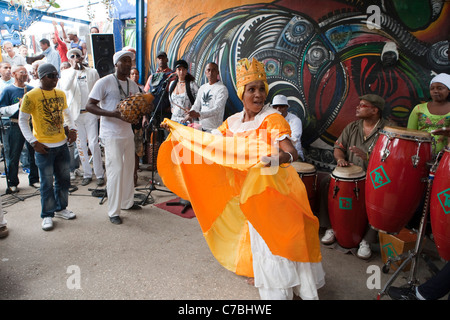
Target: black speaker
[{"x": 102, "y": 53}]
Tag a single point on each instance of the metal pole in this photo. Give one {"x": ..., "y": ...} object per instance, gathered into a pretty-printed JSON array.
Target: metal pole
[{"x": 140, "y": 39}]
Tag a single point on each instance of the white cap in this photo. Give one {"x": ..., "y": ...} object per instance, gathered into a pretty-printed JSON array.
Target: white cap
[
  {"x": 119, "y": 54},
  {"x": 72, "y": 51},
  {"x": 443, "y": 78},
  {"x": 280, "y": 100},
  {"x": 72, "y": 31}
]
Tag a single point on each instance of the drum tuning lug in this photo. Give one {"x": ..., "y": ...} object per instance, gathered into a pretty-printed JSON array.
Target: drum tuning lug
[
  {"x": 415, "y": 160},
  {"x": 386, "y": 154},
  {"x": 356, "y": 191},
  {"x": 335, "y": 191}
]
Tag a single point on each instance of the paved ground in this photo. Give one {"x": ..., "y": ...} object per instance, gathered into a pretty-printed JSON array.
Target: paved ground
[{"x": 153, "y": 255}]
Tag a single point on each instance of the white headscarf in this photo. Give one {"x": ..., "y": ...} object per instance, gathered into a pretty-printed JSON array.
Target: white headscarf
[{"x": 442, "y": 78}]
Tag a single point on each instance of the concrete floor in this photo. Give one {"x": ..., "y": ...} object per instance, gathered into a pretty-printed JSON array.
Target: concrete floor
[{"x": 153, "y": 255}]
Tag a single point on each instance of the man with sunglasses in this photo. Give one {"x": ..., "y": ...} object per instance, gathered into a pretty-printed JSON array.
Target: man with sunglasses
[
  {"x": 47, "y": 107},
  {"x": 77, "y": 82},
  {"x": 353, "y": 147}
]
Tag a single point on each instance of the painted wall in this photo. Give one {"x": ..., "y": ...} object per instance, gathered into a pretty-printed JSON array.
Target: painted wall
[{"x": 322, "y": 54}]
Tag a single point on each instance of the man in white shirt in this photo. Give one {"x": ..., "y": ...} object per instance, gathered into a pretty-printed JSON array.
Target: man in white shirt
[
  {"x": 116, "y": 134},
  {"x": 77, "y": 82},
  {"x": 280, "y": 103},
  {"x": 209, "y": 106}
]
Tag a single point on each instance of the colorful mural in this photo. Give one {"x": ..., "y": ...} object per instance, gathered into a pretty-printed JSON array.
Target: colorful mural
[{"x": 323, "y": 54}]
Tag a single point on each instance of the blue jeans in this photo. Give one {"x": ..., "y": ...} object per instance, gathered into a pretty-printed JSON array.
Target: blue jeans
[
  {"x": 16, "y": 140},
  {"x": 56, "y": 163}
]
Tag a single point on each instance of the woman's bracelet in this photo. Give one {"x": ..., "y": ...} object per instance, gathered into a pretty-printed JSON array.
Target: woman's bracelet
[{"x": 290, "y": 160}]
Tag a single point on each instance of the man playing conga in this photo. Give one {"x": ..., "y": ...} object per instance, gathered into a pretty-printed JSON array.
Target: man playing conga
[
  {"x": 352, "y": 148},
  {"x": 117, "y": 135}
]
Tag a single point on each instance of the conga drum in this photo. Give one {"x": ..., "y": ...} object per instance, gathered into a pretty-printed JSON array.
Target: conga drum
[
  {"x": 396, "y": 177},
  {"x": 440, "y": 206},
  {"x": 346, "y": 205},
  {"x": 308, "y": 173}
]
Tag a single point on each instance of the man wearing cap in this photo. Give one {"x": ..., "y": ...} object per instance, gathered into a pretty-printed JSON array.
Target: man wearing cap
[
  {"x": 75, "y": 42},
  {"x": 158, "y": 86},
  {"x": 77, "y": 82},
  {"x": 47, "y": 107},
  {"x": 353, "y": 147},
  {"x": 280, "y": 102},
  {"x": 116, "y": 134}
]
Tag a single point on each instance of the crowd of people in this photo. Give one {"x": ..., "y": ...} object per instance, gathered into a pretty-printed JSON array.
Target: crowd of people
[{"x": 56, "y": 110}]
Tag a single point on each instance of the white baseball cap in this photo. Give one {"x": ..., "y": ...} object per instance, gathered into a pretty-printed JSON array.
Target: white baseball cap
[
  {"x": 280, "y": 100},
  {"x": 72, "y": 51},
  {"x": 119, "y": 54}
]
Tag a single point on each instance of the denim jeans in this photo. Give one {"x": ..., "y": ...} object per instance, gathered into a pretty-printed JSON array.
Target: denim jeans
[
  {"x": 56, "y": 163},
  {"x": 16, "y": 140}
]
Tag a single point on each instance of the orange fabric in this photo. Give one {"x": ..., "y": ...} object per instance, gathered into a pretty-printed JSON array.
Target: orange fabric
[{"x": 226, "y": 194}]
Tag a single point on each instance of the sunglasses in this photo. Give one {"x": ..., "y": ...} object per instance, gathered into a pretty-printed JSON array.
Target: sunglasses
[
  {"x": 75, "y": 56},
  {"x": 364, "y": 106},
  {"x": 52, "y": 76}
]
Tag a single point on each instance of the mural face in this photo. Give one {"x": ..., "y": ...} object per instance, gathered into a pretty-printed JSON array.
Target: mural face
[{"x": 322, "y": 55}]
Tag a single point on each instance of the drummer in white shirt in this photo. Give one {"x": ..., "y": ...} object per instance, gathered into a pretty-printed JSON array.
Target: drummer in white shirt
[{"x": 280, "y": 103}]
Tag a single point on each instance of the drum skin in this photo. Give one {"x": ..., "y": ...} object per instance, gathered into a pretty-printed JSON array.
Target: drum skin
[
  {"x": 394, "y": 187},
  {"x": 440, "y": 206},
  {"x": 346, "y": 210}
]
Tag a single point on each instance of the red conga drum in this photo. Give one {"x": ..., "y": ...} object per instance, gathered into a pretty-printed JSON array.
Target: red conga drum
[
  {"x": 396, "y": 177},
  {"x": 346, "y": 205},
  {"x": 440, "y": 206},
  {"x": 308, "y": 173}
]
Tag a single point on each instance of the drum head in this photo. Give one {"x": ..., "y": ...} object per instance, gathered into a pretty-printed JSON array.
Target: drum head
[
  {"x": 351, "y": 172},
  {"x": 405, "y": 132},
  {"x": 303, "y": 167}
]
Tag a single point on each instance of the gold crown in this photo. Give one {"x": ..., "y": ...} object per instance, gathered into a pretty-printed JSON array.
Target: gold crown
[{"x": 247, "y": 72}]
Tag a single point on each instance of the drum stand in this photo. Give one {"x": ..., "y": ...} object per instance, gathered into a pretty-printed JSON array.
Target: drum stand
[
  {"x": 151, "y": 184},
  {"x": 413, "y": 255}
]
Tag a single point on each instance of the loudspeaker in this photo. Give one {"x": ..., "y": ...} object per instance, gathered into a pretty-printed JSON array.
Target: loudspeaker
[{"x": 102, "y": 53}]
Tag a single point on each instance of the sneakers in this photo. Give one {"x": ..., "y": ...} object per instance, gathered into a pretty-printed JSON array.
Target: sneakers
[
  {"x": 328, "y": 237},
  {"x": 13, "y": 189},
  {"x": 398, "y": 293},
  {"x": 364, "y": 251},
  {"x": 65, "y": 214},
  {"x": 36, "y": 185},
  {"x": 72, "y": 176},
  {"x": 100, "y": 182},
  {"x": 47, "y": 224},
  {"x": 115, "y": 220},
  {"x": 86, "y": 181},
  {"x": 4, "y": 232}
]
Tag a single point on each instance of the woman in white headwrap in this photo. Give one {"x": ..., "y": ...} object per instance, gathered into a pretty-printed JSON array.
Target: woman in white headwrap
[{"x": 435, "y": 114}]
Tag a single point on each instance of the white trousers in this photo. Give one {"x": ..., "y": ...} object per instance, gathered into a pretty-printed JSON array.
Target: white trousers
[
  {"x": 119, "y": 162},
  {"x": 2, "y": 215},
  {"x": 87, "y": 126}
]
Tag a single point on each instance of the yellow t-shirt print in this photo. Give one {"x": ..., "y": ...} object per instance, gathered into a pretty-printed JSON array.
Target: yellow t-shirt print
[{"x": 46, "y": 109}]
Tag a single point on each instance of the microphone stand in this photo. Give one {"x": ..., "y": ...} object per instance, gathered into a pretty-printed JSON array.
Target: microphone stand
[{"x": 151, "y": 184}]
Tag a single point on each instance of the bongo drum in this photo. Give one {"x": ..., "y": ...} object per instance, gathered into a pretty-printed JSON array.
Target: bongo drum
[
  {"x": 396, "y": 177},
  {"x": 307, "y": 172},
  {"x": 346, "y": 205},
  {"x": 440, "y": 206}
]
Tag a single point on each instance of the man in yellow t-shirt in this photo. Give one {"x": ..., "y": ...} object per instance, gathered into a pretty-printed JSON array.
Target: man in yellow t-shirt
[{"x": 48, "y": 110}]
